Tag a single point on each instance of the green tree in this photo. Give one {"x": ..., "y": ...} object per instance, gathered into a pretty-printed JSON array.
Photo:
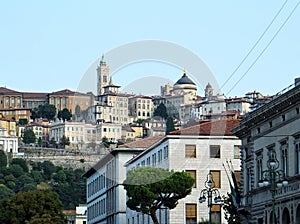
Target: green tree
[
  {"x": 3, "y": 159},
  {"x": 24, "y": 183},
  {"x": 21, "y": 162},
  {"x": 231, "y": 212},
  {"x": 105, "y": 142},
  {"x": 64, "y": 141},
  {"x": 150, "y": 188},
  {"x": 47, "y": 169},
  {"x": 39, "y": 206},
  {"x": 5, "y": 192},
  {"x": 161, "y": 111},
  {"x": 34, "y": 113},
  {"x": 23, "y": 121},
  {"x": 47, "y": 111},
  {"x": 40, "y": 141},
  {"x": 64, "y": 114},
  {"x": 52, "y": 142},
  {"x": 139, "y": 121},
  {"x": 16, "y": 170},
  {"x": 169, "y": 125},
  {"x": 29, "y": 136}
]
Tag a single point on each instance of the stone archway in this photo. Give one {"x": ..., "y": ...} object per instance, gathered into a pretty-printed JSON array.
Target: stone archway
[
  {"x": 286, "y": 216},
  {"x": 297, "y": 221}
]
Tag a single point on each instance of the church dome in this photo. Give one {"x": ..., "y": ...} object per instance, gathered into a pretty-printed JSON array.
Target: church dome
[
  {"x": 184, "y": 80},
  {"x": 208, "y": 86}
]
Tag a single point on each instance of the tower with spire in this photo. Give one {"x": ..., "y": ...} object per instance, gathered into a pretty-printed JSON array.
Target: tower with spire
[{"x": 103, "y": 77}]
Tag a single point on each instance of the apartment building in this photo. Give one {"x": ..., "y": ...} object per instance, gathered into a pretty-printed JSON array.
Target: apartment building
[
  {"x": 271, "y": 134},
  {"x": 198, "y": 150},
  {"x": 140, "y": 107},
  {"x": 81, "y": 134}
]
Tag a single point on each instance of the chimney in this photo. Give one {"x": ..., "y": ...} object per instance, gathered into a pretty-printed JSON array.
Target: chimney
[{"x": 297, "y": 81}]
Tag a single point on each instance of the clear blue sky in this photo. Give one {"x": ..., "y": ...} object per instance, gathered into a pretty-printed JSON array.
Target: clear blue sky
[{"x": 47, "y": 46}]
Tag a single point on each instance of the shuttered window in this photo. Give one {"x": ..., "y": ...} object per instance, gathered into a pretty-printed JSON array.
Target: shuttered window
[
  {"x": 193, "y": 174},
  {"x": 216, "y": 175},
  {"x": 190, "y": 151},
  {"x": 191, "y": 213}
]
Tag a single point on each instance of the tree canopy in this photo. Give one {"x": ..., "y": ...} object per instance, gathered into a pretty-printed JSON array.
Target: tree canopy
[
  {"x": 161, "y": 111},
  {"x": 169, "y": 125},
  {"x": 64, "y": 141},
  {"x": 28, "y": 136},
  {"x": 67, "y": 183},
  {"x": 64, "y": 114},
  {"x": 3, "y": 159},
  {"x": 149, "y": 189},
  {"x": 44, "y": 111},
  {"x": 39, "y": 206},
  {"x": 231, "y": 211}
]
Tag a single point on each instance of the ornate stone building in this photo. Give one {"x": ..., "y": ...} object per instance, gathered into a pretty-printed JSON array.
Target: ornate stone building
[{"x": 271, "y": 134}]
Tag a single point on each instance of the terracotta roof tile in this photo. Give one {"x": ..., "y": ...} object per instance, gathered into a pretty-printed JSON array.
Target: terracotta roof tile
[
  {"x": 214, "y": 127},
  {"x": 143, "y": 143},
  {"x": 8, "y": 91},
  {"x": 31, "y": 95}
]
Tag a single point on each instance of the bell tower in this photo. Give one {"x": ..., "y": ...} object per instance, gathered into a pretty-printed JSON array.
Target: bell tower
[{"x": 102, "y": 76}]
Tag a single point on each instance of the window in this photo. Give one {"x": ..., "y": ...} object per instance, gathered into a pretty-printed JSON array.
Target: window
[
  {"x": 190, "y": 151},
  {"x": 166, "y": 152},
  {"x": 297, "y": 148},
  {"x": 236, "y": 152},
  {"x": 297, "y": 110},
  {"x": 191, "y": 213},
  {"x": 258, "y": 130},
  {"x": 148, "y": 161},
  {"x": 193, "y": 174},
  {"x": 215, "y": 151},
  {"x": 284, "y": 157},
  {"x": 216, "y": 213},
  {"x": 259, "y": 169},
  {"x": 283, "y": 117},
  {"x": 216, "y": 176},
  {"x": 270, "y": 124},
  {"x": 160, "y": 155},
  {"x": 154, "y": 159}
]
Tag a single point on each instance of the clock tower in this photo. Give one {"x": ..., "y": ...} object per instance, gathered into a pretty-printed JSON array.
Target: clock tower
[{"x": 102, "y": 76}]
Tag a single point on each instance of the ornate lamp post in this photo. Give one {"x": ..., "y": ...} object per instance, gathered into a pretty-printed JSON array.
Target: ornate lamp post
[
  {"x": 274, "y": 177},
  {"x": 209, "y": 192}
]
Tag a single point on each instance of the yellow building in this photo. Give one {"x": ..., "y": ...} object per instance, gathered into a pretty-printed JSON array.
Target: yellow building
[
  {"x": 8, "y": 138},
  {"x": 70, "y": 100},
  {"x": 10, "y": 98},
  {"x": 9, "y": 125}
]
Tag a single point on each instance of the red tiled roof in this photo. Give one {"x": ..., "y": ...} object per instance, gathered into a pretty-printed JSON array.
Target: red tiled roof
[
  {"x": 31, "y": 95},
  {"x": 143, "y": 143},
  {"x": 63, "y": 92},
  {"x": 214, "y": 127},
  {"x": 4, "y": 90}
]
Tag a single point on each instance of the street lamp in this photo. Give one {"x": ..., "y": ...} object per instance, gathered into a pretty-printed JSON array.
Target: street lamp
[
  {"x": 209, "y": 192},
  {"x": 274, "y": 177}
]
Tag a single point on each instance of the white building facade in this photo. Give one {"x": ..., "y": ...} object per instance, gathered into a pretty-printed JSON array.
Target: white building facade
[
  {"x": 197, "y": 150},
  {"x": 106, "y": 197}
]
